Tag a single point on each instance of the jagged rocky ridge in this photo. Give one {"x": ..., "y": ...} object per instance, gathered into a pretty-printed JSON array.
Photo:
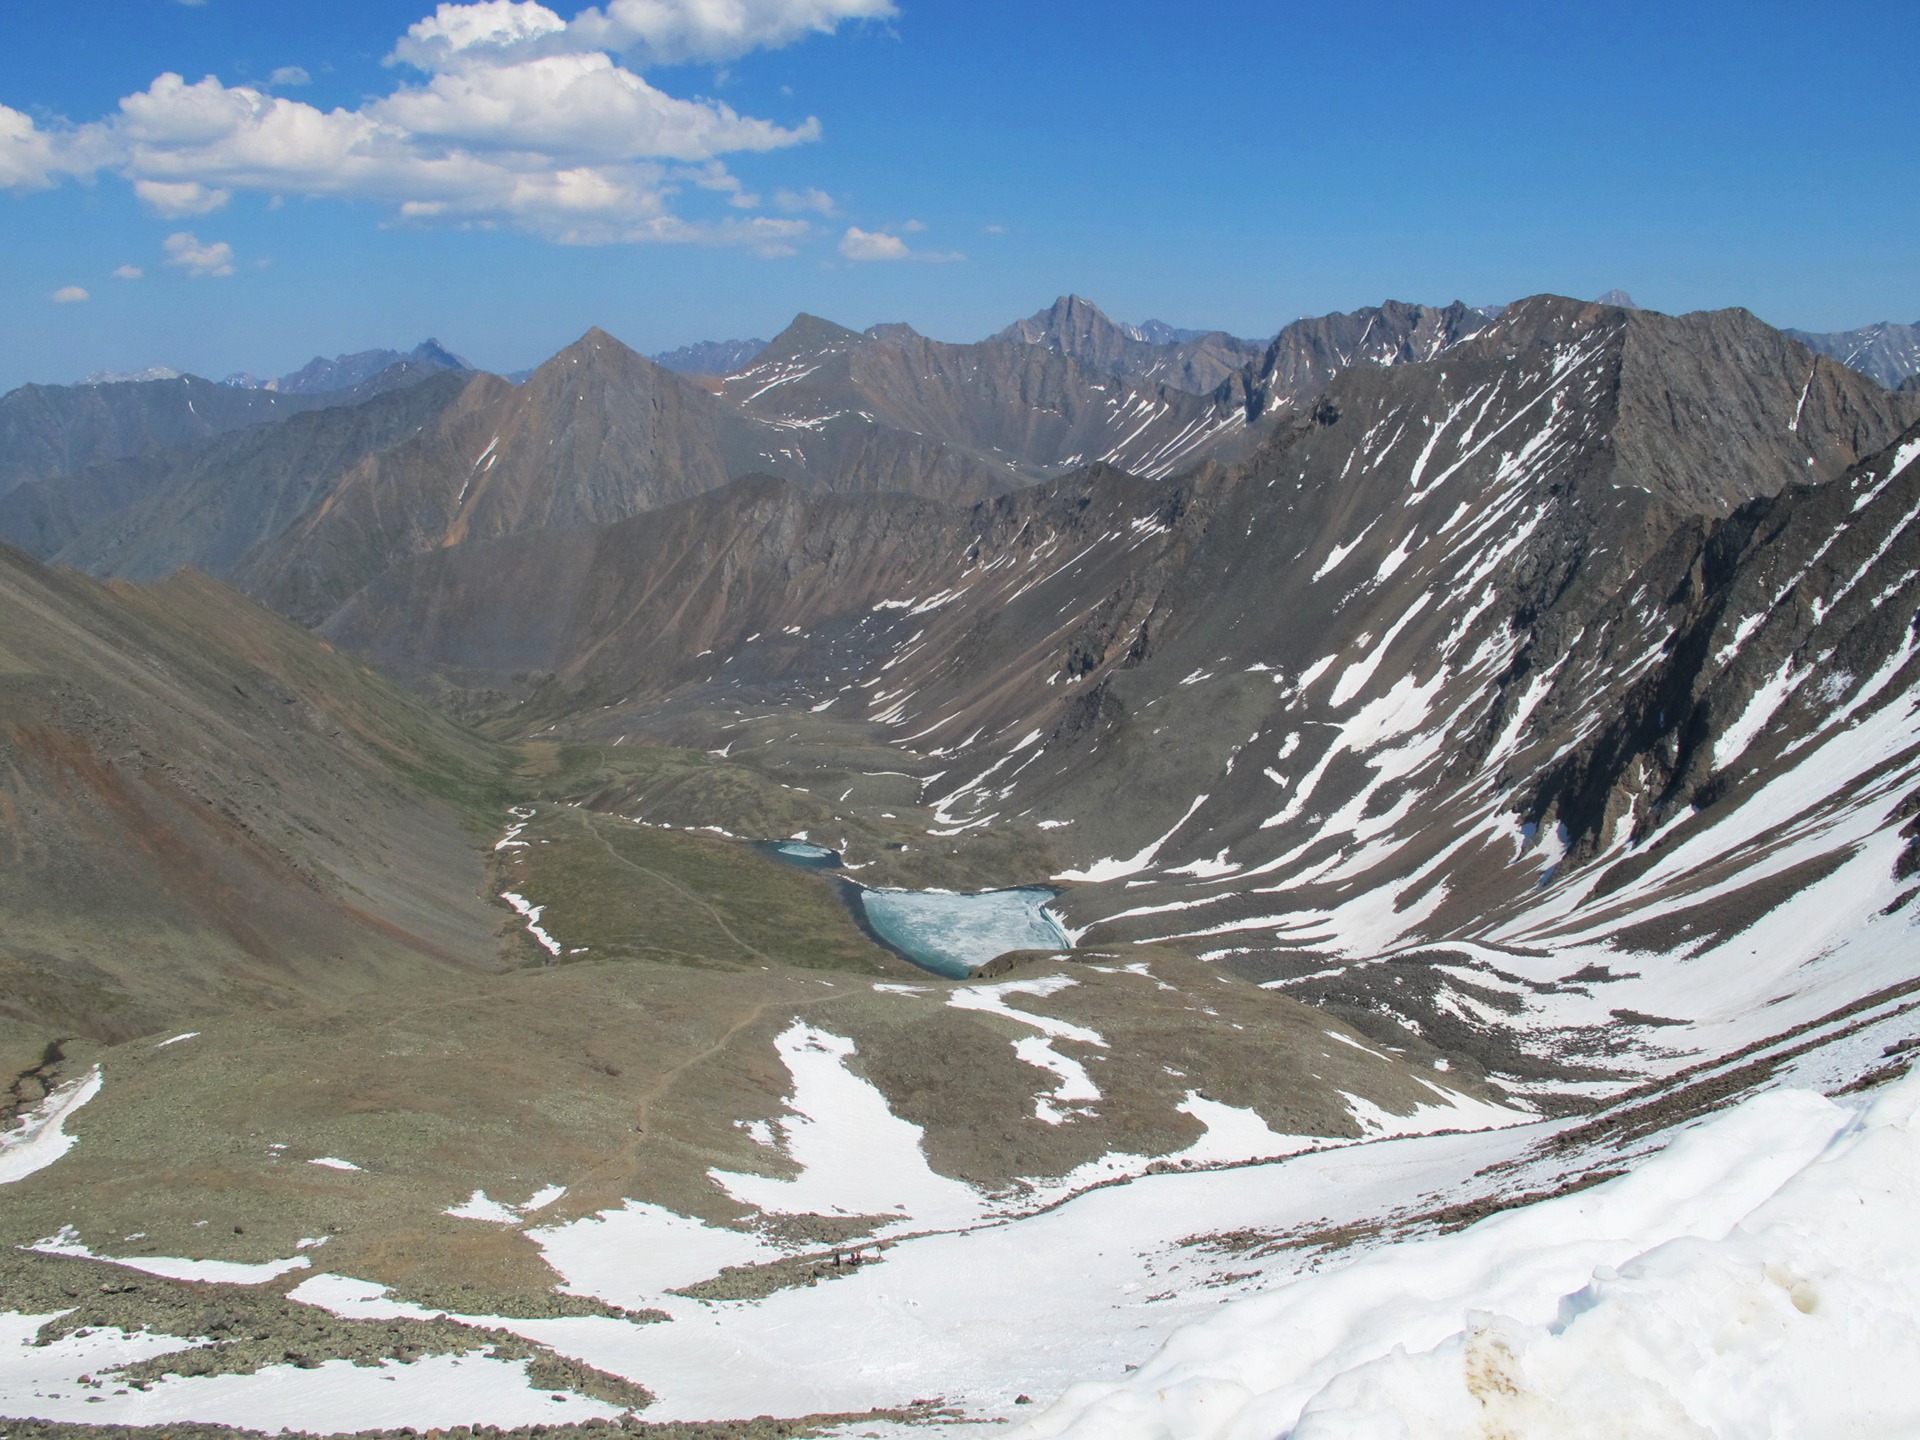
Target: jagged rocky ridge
[{"x": 710, "y": 357}]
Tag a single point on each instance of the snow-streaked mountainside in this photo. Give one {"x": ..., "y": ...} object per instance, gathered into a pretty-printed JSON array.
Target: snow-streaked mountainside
[
  {"x": 1025, "y": 409},
  {"x": 1485, "y": 674},
  {"x": 1890, "y": 353},
  {"x": 1478, "y": 759}
]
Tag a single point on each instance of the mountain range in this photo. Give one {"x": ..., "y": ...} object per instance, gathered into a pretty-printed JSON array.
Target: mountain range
[
  {"x": 343, "y": 372},
  {"x": 1493, "y": 733}
]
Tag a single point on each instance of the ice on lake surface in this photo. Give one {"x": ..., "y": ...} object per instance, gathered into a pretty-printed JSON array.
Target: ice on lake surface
[
  {"x": 800, "y": 852},
  {"x": 951, "y": 934}
]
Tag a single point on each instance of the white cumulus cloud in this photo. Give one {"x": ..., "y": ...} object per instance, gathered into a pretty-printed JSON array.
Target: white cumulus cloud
[
  {"x": 858, "y": 244},
  {"x": 512, "y": 115},
  {"x": 491, "y": 29},
  {"x": 185, "y": 250},
  {"x": 70, "y": 295},
  {"x": 650, "y": 32},
  {"x": 671, "y": 32},
  {"x": 583, "y": 107},
  {"x": 26, "y": 155}
]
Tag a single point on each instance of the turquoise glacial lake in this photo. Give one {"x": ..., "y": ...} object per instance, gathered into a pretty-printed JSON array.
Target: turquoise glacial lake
[{"x": 950, "y": 934}]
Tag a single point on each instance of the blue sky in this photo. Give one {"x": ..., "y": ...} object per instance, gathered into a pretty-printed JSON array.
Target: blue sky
[{"x": 503, "y": 175}]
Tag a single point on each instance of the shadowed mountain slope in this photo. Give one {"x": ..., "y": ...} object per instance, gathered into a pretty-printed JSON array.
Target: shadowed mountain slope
[
  {"x": 661, "y": 600},
  {"x": 203, "y": 809},
  {"x": 50, "y": 429},
  {"x": 206, "y": 503}
]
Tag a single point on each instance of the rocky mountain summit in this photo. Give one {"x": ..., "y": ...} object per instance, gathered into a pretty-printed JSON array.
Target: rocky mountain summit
[{"x": 1198, "y": 361}]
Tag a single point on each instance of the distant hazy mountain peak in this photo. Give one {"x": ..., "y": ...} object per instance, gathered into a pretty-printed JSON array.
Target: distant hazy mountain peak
[
  {"x": 1617, "y": 298},
  {"x": 1888, "y": 352},
  {"x": 343, "y": 372},
  {"x": 1159, "y": 332},
  {"x": 1197, "y": 361},
  {"x": 132, "y": 377},
  {"x": 710, "y": 357}
]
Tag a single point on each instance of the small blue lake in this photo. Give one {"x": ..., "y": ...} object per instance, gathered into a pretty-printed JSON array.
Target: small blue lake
[
  {"x": 800, "y": 853},
  {"x": 941, "y": 932},
  {"x": 950, "y": 934}
]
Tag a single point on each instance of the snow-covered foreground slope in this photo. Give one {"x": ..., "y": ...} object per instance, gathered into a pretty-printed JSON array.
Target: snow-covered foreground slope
[
  {"x": 1249, "y": 1292},
  {"x": 1755, "y": 1279}
]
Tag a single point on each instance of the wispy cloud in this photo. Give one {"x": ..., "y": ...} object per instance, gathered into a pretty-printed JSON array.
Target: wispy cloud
[
  {"x": 513, "y": 115},
  {"x": 795, "y": 202},
  {"x": 290, "y": 77},
  {"x": 128, "y": 272},
  {"x": 185, "y": 250},
  {"x": 177, "y": 198},
  {"x": 70, "y": 295}
]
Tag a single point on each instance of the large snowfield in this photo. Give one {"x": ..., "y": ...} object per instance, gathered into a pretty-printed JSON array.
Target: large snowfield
[{"x": 1757, "y": 1278}]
